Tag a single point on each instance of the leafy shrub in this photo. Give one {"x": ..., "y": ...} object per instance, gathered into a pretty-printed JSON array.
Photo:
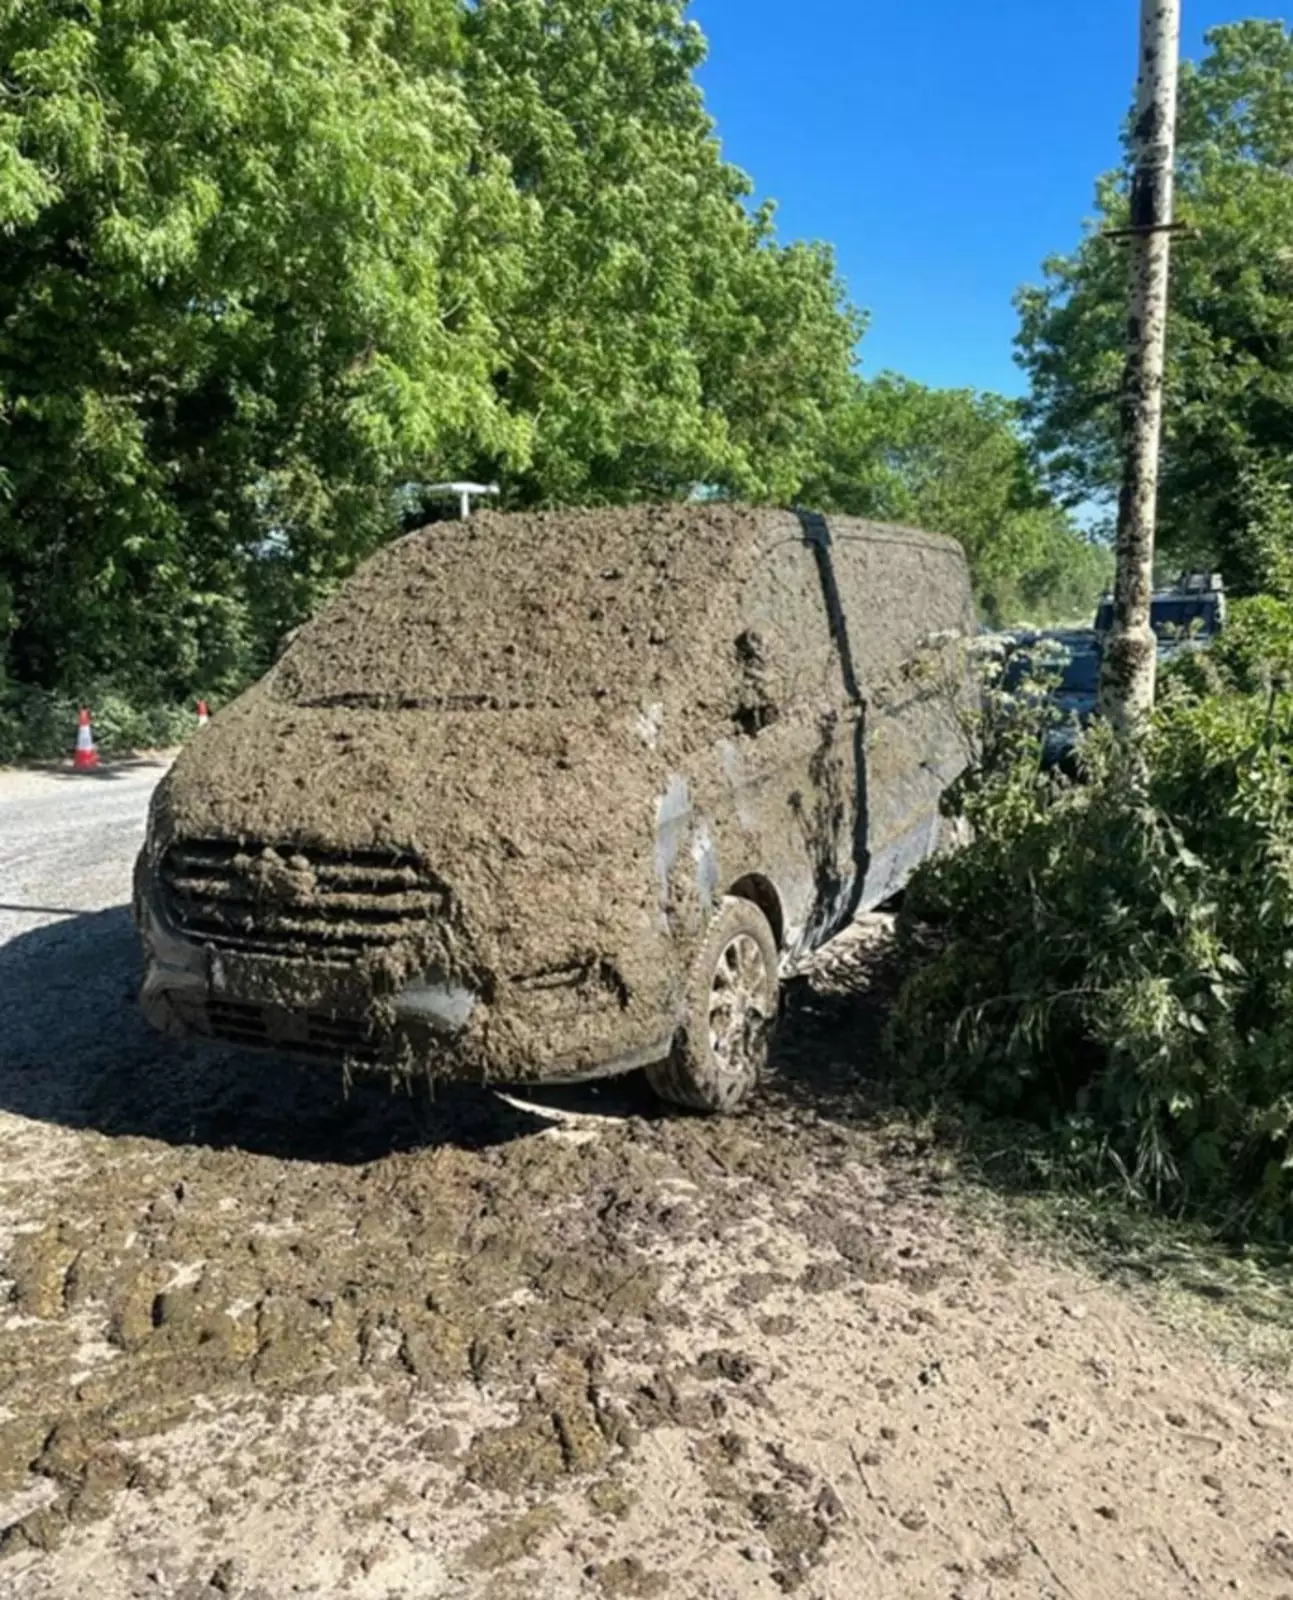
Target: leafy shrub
[
  {"x": 1253, "y": 654},
  {"x": 39, "y": 725},
  {"x": 1114, "y": 959}
]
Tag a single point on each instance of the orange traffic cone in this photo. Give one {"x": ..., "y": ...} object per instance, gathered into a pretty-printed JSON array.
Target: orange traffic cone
[
  {"x": 86, "y": 755},
  {"x": 203, "y": 717}
]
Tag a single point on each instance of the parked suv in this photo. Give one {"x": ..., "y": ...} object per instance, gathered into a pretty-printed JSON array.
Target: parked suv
[
  {"x": 1187, "y": 616},
  {"x": 548, "y": 797}
]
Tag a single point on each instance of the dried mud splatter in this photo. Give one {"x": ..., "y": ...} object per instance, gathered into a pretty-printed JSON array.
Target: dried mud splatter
[{"x": 165, "y": 1277}]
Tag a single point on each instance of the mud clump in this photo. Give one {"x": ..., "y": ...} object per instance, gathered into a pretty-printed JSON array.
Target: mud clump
[
  {"x": 821, "y": 1277},
  {"x": 538, "y": 1451},
  {"x": 612, "y": 1498},
  {"x": 40, "y": 1266},
  {"x": 439, "y": 1444},
  {"x": 733, "y": 1365},
  {"x": 512, "y": 1540},
  {"x": 670, "y": 1400},
  {"x": 627, "y": 1579},
  {"x": 566, "y": 1429},
  {"x": 88, "y": 1466},
  {"x": 754, "y": 1287},
  {"x": 796, "y": 1536},
  {"x": 89, "y": 1470}
]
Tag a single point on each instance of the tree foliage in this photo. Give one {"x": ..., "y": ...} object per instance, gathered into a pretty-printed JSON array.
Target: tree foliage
[
  {"x": 955, "y": 461},
  {"x": 660, "y": 336},
  {"x": 267, "y": 264},
  {"x": 1227, "y": 483},
  {"x": 271, "y": 266},
  {"x": 230, "y": 307}
]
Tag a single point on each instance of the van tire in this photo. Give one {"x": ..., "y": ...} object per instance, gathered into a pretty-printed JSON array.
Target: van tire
[{"x": 730, "y": 1011}]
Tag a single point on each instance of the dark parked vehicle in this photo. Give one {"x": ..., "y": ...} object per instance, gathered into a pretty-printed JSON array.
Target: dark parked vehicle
[
  {"x": 1063, "y": 667},
  {"x": 544, "y": 798},
  {"x": 1075, "y": 698},
  {"x": 1187, "y": 616}
]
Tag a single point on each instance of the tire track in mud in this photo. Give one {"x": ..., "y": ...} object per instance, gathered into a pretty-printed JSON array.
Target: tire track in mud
[{"x": 503, "y": 1251}]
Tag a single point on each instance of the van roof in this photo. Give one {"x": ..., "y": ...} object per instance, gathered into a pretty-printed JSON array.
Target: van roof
[{"x": 549, "y": 608}]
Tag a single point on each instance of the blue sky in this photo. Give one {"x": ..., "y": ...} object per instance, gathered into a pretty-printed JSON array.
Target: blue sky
[{"x": 945, "y": 148}]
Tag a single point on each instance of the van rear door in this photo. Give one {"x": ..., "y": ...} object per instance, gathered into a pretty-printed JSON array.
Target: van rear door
[{"x": 910, "y": 615}]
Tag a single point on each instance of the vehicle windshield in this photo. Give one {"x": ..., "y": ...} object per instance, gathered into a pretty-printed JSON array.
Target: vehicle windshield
[{"x": 465, "y": 616}]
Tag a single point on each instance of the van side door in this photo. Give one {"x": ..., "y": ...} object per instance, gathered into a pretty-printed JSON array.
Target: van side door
[{"x": 791, "y": 757}]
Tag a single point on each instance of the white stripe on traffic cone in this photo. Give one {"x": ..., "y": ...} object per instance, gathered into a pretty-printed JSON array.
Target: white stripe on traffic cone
[{"x": 86, "y": 755}]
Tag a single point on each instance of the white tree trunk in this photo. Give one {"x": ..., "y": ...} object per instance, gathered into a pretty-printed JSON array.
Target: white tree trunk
[{"x": 1127, "y": 676}]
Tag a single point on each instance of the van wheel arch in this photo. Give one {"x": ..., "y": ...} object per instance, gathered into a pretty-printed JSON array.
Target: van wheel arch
[{"x": 762, "y": 892}]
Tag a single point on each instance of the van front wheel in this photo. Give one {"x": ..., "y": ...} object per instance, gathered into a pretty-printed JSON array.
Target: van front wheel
[{"x": 731, "y": 1008}]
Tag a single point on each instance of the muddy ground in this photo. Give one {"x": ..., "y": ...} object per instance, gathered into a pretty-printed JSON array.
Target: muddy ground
[{"x": 262, "y": 1336}]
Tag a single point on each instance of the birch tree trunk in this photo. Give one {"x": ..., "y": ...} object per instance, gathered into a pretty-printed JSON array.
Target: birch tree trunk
[{"x": 1128, "y": 670}]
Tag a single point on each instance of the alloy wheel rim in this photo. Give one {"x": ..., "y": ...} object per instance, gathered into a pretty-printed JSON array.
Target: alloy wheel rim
[{"x": 740, "y": 1004}]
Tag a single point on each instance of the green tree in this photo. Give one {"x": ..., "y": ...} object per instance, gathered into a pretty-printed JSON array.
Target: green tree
[
  {"x": 955, "y": 461},
  {"x": 1227, "y": 468},
  {"x": 660, "y": 336},
  {"x": 249, "y": 252},
  {"x": 270, "y": 264}
]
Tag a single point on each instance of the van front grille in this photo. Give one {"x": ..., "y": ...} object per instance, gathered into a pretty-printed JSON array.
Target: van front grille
[
  {"x": 237, "y": 1022},
  {"x": 297, "y": 902}
]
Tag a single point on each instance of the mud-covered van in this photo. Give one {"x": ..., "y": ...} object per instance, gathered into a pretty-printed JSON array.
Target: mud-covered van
[{"x": 541, "y": 798}]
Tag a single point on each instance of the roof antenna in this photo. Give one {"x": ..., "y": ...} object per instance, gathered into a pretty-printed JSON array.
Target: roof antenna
[{"x": 464, "y": 491}]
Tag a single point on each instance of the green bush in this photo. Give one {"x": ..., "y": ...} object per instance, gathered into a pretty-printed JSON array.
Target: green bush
[
  {"x": 39, "y": 725},
  {"x": 1113, "y": 960},
  {"x": 1253, "y": 654}
]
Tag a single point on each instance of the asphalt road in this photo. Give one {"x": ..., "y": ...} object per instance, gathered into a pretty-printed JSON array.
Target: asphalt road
[
  {"x": 66, "y": 841},
  {"x": 68, "y": 954}
]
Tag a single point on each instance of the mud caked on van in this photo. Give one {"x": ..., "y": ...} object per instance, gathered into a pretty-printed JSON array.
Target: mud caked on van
[{"x": 542, "y": 798}]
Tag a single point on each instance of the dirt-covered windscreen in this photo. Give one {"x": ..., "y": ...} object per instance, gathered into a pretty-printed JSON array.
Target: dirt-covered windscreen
[{"x": 500, "y": 613}]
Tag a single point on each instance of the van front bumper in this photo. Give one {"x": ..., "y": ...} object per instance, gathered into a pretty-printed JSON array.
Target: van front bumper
[{"x": 551, "y": 1031}]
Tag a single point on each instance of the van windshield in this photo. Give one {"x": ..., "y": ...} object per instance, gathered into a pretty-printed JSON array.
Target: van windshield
[{"x": 493, "y": 616}]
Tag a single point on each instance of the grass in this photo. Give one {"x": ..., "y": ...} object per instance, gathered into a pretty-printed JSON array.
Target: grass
[{"x": 1236, "y": 1298}]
